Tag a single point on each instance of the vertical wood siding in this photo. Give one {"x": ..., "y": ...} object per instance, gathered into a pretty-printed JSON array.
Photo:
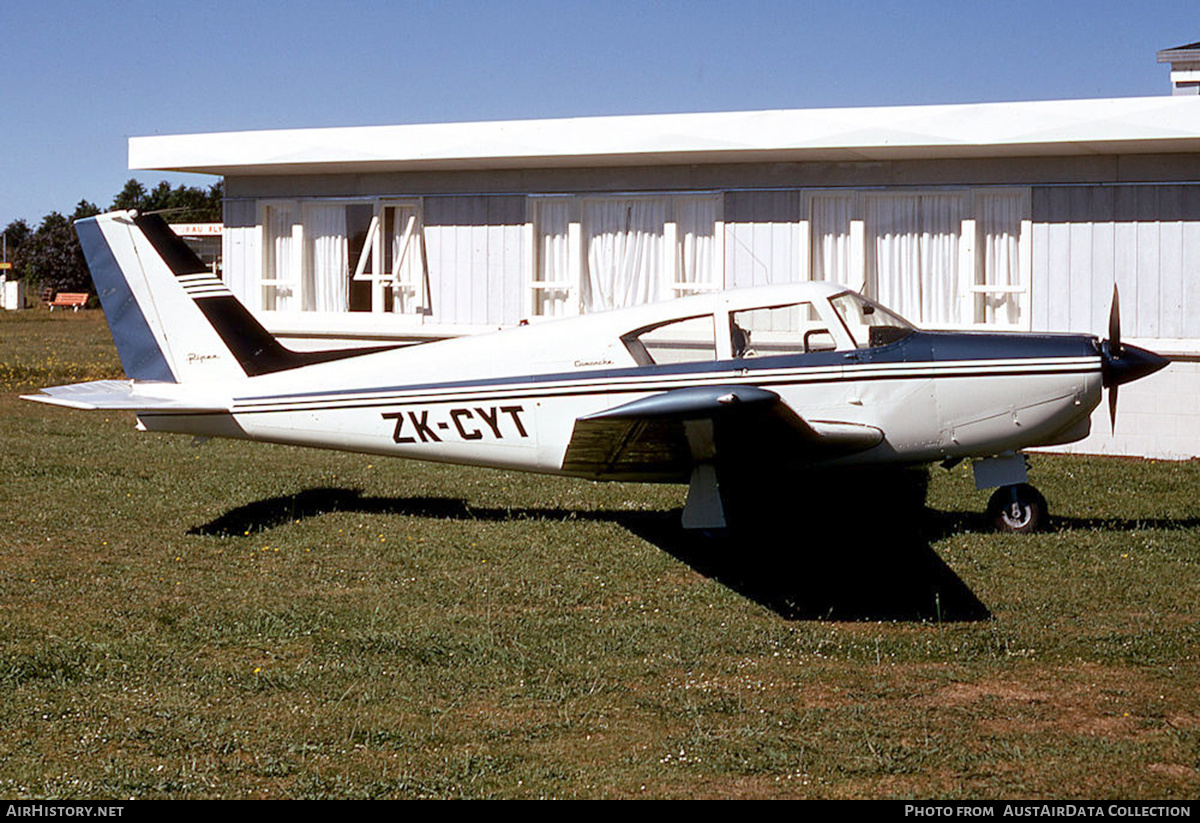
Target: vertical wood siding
[
  {"x": 240, "y": 258},
  {"x": 476, "y": 258},
  {"x": 1145, "y": 239},
  {"x": 762, "y": 239}
]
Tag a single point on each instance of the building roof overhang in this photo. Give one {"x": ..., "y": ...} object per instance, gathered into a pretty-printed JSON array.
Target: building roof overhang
[
  {"x": 1136, "y": 125},
  {"x": 1190, "y": 51}
]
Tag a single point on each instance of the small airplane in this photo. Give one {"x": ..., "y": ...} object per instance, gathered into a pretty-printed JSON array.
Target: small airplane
[{"x": 706, "y": 389}]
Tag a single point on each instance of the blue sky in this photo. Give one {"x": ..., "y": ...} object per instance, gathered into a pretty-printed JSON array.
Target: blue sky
[{"x": 79, "y": 78}]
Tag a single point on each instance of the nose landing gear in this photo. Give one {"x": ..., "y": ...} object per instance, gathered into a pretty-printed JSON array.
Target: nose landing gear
[
  {"x": 1016, "y": 506},
  {"x": 1018, "y": 509}
]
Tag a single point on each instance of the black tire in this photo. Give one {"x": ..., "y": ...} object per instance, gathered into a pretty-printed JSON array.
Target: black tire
[{"x": 1018, "y": 509}]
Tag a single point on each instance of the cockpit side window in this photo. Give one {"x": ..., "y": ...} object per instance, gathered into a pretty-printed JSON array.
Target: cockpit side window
[
  {"x": 869, "y": 323},
  {"x": 690, "y": 340},
  {"x": 796, "y": 328}
]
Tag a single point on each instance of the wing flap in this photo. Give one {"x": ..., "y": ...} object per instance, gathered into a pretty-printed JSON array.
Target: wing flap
[
  {"x": 628, "y": 448},
  {"x": 655, "y": 437},
  {"x": 119, "y": 394}
]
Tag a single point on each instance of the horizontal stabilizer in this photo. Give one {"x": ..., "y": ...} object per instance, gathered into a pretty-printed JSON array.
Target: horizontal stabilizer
[{"x": 119, "y": 394}]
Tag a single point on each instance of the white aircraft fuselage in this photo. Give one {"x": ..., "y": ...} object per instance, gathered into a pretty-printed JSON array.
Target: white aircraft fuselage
[
  {"x": 696, "y": 389},
  {"x": 515, "y": 395}
]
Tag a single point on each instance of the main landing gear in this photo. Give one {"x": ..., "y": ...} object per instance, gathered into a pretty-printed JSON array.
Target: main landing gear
[{"x": 1015, "y": 506}]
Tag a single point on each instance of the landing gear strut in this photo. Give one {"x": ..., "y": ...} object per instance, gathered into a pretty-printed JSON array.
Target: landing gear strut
[{"x": 1019, "y": 509}]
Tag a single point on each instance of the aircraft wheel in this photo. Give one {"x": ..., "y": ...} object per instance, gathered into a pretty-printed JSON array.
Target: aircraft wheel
[{"x": 1019, "y": 509}]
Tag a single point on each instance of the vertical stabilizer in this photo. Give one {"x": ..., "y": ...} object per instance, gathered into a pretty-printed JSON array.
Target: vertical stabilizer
[
  {"x": 159, "y": 331},
  {"x": 171, "y": 318}
]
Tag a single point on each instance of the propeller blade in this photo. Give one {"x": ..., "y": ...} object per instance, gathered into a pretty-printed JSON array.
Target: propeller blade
[
  {"x": 1114, "y": 324},
  {"x": 1121, "y": 363},
  {"x": 1114, "y": 352}
]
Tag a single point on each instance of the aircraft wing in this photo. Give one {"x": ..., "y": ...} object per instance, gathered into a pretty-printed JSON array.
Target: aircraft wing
[
  {"x": 119, "y": 394},
  {"x": 666, "y": 434}
]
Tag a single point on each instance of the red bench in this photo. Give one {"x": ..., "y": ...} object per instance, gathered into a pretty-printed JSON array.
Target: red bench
[{"x": 69, "y": 299}]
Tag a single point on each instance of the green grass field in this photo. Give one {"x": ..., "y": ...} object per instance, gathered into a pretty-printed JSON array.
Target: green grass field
[{"x": 243, "y": 620}]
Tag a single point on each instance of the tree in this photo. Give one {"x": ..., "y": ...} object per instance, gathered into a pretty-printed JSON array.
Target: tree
[
  {"x": 52, "y": 256},
  {"x": 182, "y": 204},
  {"x": 84, "y": 209},
  {"x": 16, "y": 233},
  {"x": 130, "y": 197}
]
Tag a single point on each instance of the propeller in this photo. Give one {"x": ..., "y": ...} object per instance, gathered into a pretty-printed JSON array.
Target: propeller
[{"x": 1123, "y": 363}]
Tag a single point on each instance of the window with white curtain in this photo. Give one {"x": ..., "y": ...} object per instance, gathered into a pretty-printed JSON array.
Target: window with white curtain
[
  {"x": 623, "y": 247},
  {"x": 281, "y": 281},
  {"x": 912, "y": 254},
  {"x": 555, "y": 280},
  {"x": 338, "y": 256},
  {"x": 326, "y": 286},
  {"x": 594, "y": 253},
  {"x": 830, "y": 220},
  {"x": 391, "y": 260},
  {"x": 999, "y": 285},
  {"x": 699, "y": 234},
  {"x": 945, "y": 258}
]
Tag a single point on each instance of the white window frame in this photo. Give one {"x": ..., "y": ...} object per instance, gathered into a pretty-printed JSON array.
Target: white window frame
[
  {"x": 373, "y": 265},
  {"x": 534, "y": 284},
  {"x": 672, "y": 242},
  {"x": 365, "y": 268},
  {"x": 970, "y": 248},
  {"x": 672, "y": 261},
  {"x": 293, "y": 280},
  {"x": 1023, "y": 288}
]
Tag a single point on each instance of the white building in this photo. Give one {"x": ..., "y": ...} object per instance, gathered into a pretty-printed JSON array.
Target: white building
[{"x": 1001, "y": 216}]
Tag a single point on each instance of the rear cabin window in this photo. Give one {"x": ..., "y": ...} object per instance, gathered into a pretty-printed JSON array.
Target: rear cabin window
[
  {"x": 679, "y": 341},
  {"x": 795, "y": 328}
]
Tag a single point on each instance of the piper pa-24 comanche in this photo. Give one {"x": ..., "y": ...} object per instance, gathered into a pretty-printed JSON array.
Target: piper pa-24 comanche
[{"x": 707, "y": 390}]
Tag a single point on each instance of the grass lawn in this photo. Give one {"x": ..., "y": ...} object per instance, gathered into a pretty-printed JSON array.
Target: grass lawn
[{"x": 244, "y": 620}]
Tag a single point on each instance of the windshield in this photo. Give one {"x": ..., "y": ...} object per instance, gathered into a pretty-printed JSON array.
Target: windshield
[{"x": 869, "y": 323}]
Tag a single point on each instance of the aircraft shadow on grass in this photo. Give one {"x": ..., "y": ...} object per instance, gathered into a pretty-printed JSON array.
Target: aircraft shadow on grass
[{"x": 824, "y": 559}]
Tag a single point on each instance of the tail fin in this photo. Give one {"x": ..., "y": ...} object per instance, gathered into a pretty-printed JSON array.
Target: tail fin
[{"x": 172, "y": 320}]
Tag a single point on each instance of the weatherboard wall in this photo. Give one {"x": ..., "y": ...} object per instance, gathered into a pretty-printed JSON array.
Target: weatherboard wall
[
  {"x": 1146, "y": 240},
  {"x": 1143, "y": 238},
  {"x": 765, "y": 241},
  {"x": 476, "y": 253},
  {"x": 1095, "y": 221}
]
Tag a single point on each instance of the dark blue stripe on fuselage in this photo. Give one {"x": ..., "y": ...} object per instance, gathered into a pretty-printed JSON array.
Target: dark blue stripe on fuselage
[
  {"x": 919, "y": 347},
  {"x": 141, "y": 358},
  {"x": 950, "y": 346}
]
